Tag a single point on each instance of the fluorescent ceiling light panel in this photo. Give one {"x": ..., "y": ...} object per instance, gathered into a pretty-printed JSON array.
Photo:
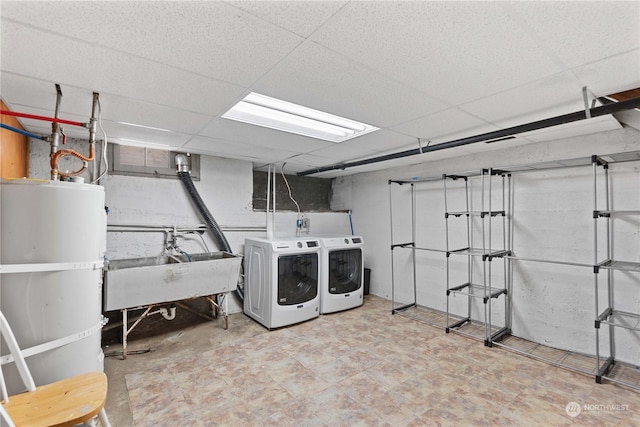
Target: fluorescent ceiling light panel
[{"x": 276, "y": 114}]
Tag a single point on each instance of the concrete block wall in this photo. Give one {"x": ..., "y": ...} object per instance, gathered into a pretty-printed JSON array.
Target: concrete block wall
[{"x": 552, "y": 304}]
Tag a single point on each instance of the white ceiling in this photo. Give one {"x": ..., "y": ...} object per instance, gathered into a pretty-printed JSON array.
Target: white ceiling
[{"x": 429, "y": 70}]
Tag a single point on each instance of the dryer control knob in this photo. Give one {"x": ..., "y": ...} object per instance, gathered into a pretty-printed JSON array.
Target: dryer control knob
[{"x": 300, "y": 244}]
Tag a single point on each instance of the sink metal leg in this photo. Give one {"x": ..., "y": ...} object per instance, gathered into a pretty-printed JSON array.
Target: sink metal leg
[
  {"x": 226, "y": 312},
  {"x": 217, "y": 308},
  {"x": 124, "y": 333}
]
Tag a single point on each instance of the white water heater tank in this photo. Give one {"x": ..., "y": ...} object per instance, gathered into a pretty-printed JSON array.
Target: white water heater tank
[{"x": 52, "y": 244}]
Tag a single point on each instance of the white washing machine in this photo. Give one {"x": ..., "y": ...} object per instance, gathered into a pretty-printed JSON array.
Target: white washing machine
[
  {"x": 281, "y": 280},
  {"x": 341, "y": 273}
]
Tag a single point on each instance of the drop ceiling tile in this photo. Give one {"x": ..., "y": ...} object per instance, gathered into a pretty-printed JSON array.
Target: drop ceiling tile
[
  {"x": 118, "y": 131},
  {"x": 302, "y": 18},
  {"x": 206, "y": 38},
  {"x": 387, "y": 164},
  {"x": 292, "y": 166},
  {"x": 611, "y": 75},
  {"x": 376, "y": 141},
  {"x": 324, "y": 80},
  {"x": 573, "y": 129},
  {"x": 427, "y": 155},
  {"x": 443, "y": 125},
  {"x": 447, "y": 153},
  {"x": 164, "y": 64},
  {"x": 43, "y": 127},
  {"x": 218, "y": 147},
  {"x": 331, "y": 174},
  {"x": 34, "y": 53},
  {"x": 482, "y": 147},
  {"x": 402, "y": 161},
  {"x": 124, "y": 110},
  {"x": 24, "y": 91},
  {"x": 454, "y": 51},
  {"x": 20, "y": 91},
  {"x": 250, "y": 134},
  {"x": 235, "y": 150},
  {"x": 588, "y": 31},
  {"x": 553, "y": 111},
  {"x": 308, "y": 161},
  {"x": 560, "y": 90},
  {"x": 341, "y": 153}
]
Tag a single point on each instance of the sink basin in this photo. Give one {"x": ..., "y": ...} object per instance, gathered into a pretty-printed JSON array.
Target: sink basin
[{"x": 136, "y": 282}]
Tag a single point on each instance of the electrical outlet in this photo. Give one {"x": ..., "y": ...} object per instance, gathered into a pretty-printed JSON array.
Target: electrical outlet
[{"x": 305, "y": 223}]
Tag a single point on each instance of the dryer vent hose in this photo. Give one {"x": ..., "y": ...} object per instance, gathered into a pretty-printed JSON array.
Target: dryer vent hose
[{"x": 213, "y": 226}]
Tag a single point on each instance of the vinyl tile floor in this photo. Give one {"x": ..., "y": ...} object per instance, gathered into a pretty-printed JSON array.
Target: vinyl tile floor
[{"x": 361, "y": 367}]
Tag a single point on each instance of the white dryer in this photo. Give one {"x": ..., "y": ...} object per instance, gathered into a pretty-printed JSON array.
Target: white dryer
[
  {"x": 341, "y": 273},
  {"x": 281, "y": 280}
]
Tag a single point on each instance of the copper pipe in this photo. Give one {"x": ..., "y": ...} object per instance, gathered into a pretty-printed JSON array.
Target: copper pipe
[{"x": 66, "y": 152}]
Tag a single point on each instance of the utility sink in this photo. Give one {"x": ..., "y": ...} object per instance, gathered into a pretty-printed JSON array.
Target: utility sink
[{"x": 136, "y": 282}]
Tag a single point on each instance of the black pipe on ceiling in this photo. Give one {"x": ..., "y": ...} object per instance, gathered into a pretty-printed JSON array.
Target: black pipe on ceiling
[{"x": 540, "y": 124}]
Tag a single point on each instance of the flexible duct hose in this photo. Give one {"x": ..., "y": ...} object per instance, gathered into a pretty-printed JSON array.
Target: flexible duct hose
[
  {"x": 223, "y": 244},
  {"x": 213, "y": 226}
]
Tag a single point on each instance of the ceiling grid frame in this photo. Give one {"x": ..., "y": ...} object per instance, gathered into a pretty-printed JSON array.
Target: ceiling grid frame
[{"x": 599, "y": 50}]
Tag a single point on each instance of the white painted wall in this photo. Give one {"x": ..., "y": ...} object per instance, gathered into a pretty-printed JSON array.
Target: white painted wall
[
  {"x": 225, "y": 185},
  {"x": 552, "y": 304}
]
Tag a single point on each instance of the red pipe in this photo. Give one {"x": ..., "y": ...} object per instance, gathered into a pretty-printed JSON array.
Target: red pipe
[{"x": 46, "y": 119}]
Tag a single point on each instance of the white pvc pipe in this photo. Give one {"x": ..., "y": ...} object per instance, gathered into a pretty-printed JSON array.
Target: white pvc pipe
[
  {"x": 269, "y": 225},
  {"x": 273, "y": 212},
  {"x": 168, "y": 314}
]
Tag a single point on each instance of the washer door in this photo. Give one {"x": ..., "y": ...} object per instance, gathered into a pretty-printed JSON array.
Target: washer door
[
  {"x": 297, "y": 278},
  {"x": 345, "y": 271}
]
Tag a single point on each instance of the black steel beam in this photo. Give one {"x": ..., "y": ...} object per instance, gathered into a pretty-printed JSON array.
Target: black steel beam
[{"x": 515, "y": 130}]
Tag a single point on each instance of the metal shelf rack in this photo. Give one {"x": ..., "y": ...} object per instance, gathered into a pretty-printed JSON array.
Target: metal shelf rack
[
  {"x": 400, "y": 307},
  {"x": 613, "y": 318},
  {"x": 593, "y": 365},
  {"x": 484, "y": 289}
]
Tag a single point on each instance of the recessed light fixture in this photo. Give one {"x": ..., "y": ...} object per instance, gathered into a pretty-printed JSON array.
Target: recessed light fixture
[{"x": 276, "y": 114}]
